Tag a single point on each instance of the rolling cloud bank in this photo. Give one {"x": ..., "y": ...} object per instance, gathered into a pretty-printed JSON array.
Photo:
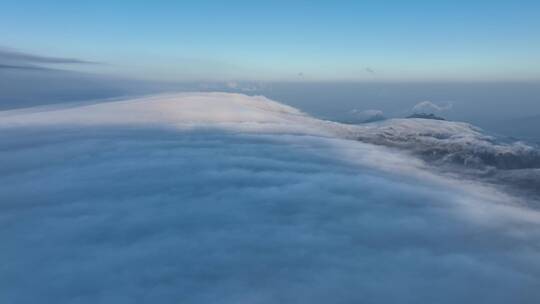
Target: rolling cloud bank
[{"x": 227, "y": 198}]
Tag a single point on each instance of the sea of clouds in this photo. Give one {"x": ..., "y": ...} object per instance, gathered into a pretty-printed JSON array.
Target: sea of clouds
[{"x": 225, "y": 198}]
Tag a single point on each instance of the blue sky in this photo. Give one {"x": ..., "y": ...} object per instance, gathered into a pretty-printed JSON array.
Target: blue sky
[{"x": 284, "y": 40}]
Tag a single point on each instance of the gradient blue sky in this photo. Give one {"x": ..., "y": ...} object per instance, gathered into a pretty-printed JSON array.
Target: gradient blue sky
[{"x": 284, "y": 40}]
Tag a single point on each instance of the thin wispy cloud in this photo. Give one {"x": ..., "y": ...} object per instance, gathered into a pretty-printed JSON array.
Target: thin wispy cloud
[
  {"x": 23, "y": 67},
  {"x": 10, "y": 55},
  {"x": 370, "y": 70}
]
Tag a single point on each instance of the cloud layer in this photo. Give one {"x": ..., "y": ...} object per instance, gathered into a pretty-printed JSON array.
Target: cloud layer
[{"x": 205, "y": 198}]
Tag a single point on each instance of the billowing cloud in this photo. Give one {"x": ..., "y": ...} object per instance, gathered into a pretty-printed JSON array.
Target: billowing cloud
[
  {"x": 460, "y": 148},
  {"x": 226, "y": 198},
  {"x": 428, "y": 107},
  {"x": 362, "y": 116}
]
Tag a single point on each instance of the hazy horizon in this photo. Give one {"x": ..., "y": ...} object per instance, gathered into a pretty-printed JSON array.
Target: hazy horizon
[{"x": 507, "y": 108}]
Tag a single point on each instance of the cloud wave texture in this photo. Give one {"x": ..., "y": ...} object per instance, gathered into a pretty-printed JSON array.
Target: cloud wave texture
[{"x": 225, "y": 198}]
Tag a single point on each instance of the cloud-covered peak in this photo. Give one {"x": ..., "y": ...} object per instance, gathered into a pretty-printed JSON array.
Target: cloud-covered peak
[{"x": 462, "y": 149}]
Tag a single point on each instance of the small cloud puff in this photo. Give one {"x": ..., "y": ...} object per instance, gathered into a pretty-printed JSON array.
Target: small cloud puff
[
  {"x": 371, "y": 115},
  {"x": 428, "y": 107}
]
